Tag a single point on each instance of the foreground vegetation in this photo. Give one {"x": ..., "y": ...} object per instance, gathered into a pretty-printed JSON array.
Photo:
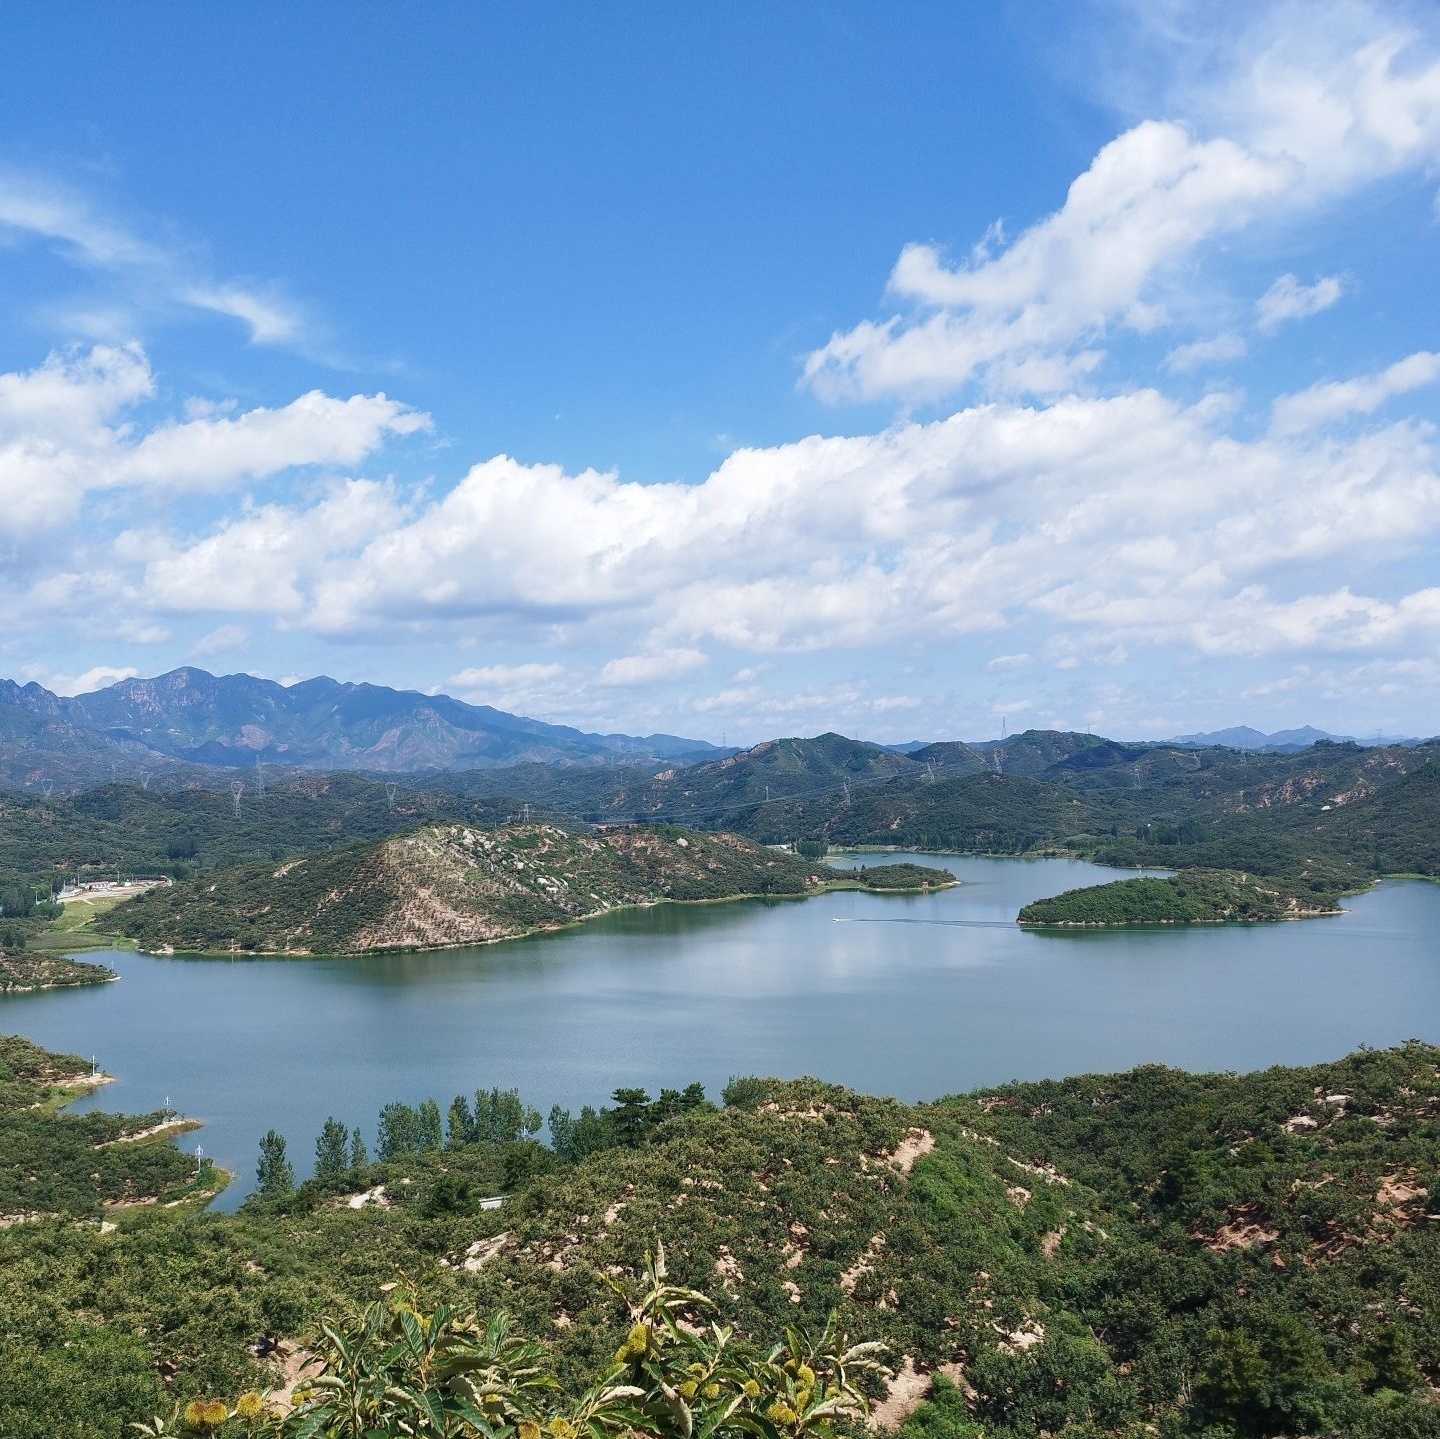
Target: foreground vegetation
[
  {"x": 1121, "y": 1255},
  {"x": 1194, "y": 896}
]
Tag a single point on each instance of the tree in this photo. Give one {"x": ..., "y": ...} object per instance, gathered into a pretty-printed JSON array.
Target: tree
[
  {"x": 358, "y": 1157},
  {"x": 274, "y": 1176},
  {"x": 399, "y": 1132},
  {"x": 431, "y": 1134},
  {"x": 562, "y": 1132},
  {"x": 630, "y": 1117},
  {"x": 502, "y": 1118},
  {"x": 461, "y": 1123},
  {"x": 332, "y": 1152}
]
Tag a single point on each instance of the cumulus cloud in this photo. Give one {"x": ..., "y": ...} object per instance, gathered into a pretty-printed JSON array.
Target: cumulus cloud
[
  {"x": 1133, "y": 520},
  {"x": 1325, "y": 403},
  {"x": 1287, "y": 299},
  {"x": 1148, "y": 199},
  {"x": 257, "y": 563},
  {"x": 66, "y": 432},
  {"x": 1311, "y": 113},
  {"x": 626, "y": 670}
]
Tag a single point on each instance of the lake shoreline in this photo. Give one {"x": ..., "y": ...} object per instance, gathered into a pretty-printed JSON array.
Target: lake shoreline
[{"x": 829, "y": 887}]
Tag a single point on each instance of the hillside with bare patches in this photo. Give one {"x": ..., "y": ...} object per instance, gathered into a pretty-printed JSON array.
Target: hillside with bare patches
[{"x": 451, "y": 884}]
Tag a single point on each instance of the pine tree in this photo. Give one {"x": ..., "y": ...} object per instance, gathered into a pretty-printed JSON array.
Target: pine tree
[
  {"x": 332, "y": 1152},
  {"x": 630, "y": 1118},
  {"x": 274, "y": 1176},
  {"x": 359, "y": 1159}
]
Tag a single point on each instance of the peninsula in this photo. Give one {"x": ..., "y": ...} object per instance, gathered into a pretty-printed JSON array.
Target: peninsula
[{"x": 452, "y": 884}]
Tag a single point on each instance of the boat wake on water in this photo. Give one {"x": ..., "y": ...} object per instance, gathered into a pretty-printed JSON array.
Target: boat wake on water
[{"x": 956, "y": 923}]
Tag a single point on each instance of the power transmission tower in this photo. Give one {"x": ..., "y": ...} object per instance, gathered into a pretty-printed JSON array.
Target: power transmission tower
[{"x": 237, "y": 788}]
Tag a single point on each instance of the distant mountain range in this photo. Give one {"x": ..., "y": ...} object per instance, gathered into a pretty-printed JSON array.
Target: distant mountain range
[
  {"x": 189, "y": 717},
  {"x": 190, "y": 727},
  {"x": 1285, "y": 741}
]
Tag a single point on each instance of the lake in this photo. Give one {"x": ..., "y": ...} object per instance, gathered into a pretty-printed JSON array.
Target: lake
[{"x": 910, "y": 995}]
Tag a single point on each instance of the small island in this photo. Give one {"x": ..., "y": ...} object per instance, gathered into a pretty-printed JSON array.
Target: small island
[
  {"x": 1194, "y": 896},
  {"x": 902, "y": 878},
  {"x": 447, "y": 885}
]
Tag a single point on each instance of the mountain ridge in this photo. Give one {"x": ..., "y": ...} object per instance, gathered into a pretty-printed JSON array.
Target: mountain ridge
[{"x": 190, "y": 716}]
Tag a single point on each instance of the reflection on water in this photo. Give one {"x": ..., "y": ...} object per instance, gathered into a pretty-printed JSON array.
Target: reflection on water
[{"x": 951, "y": 996}]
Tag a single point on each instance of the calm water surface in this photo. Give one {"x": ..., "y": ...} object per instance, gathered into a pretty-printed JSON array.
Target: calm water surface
[{"x": 910, "y": 995}]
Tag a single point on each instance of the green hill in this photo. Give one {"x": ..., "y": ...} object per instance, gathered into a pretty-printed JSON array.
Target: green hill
[
  {"x": 1195, "y": 896},
  {"x": 450, "y": 884}
]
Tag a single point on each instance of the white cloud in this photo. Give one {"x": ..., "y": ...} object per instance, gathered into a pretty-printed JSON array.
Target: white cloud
[
  {"x": 66, "y": 433},
  {"x": 1302, "y": 113},
  {"x": 226, "y": 637},
  {"x": 1007, "y": 662},
  {"x": 515, "y": 687},
  {"x": 1217, "y": 351},
  {"x": 98, "y": 677},
  {"x": 627, "y": 670},
  {"x": 258, "y": 562},
  {"x": 1287, "y": 299},
  {"x": 34, "y": 207},
  {"x": 1130, "y": 521},
  {"x": 315, "y": 429},
  {"x": 1336, "y": 399},
  {"x": 1148, "y": 199},
  {"x": 271, "y": 319}
]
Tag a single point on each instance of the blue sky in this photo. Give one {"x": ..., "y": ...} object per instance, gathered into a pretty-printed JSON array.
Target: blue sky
[{"x": 734, "y": 371}]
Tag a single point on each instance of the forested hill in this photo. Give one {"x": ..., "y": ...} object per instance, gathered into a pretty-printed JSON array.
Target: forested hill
[
  {"x": 1338, "y": 812},
  {"x": 1107, "y": 1257},
  {"x": 1039, "y": 787},
  {"x": 1194, "y": 896},
  {"x": 450, "y": 884},
  {"x": 122, "y": 828}
]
